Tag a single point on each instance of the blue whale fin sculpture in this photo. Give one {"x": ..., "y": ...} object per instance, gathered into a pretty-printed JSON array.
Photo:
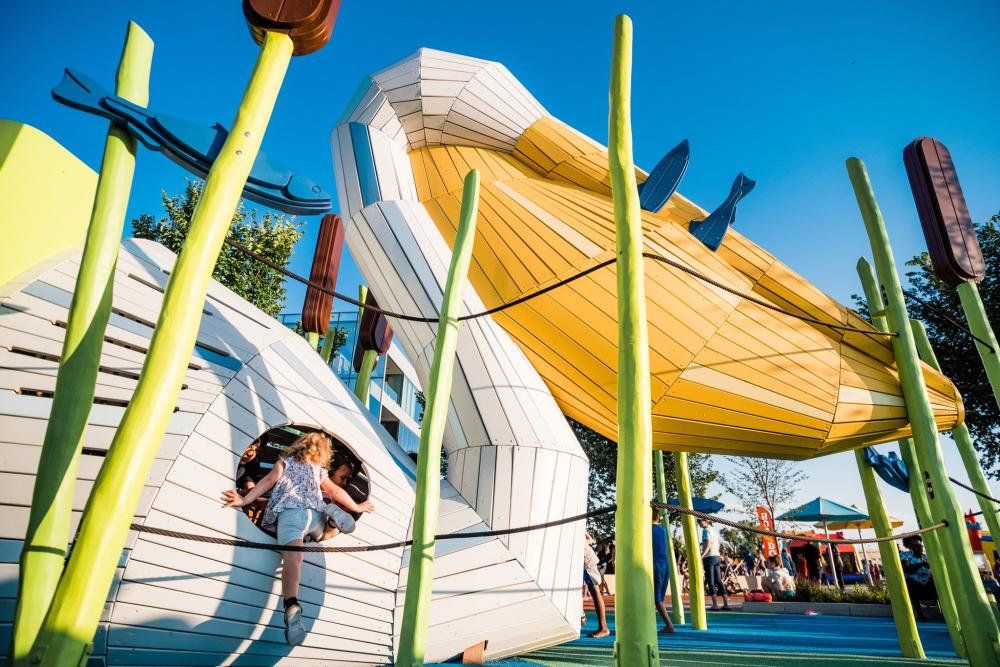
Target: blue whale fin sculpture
[
  {"x": 890, "y": 468},
  {"x": 665, "y": 177},
  {"x": 194, "y": 147},
  {"x": 712, "y": 229}
]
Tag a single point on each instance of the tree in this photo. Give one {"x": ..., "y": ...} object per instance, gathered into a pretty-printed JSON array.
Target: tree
[
  {"x": 954, "y": 348},
  {"x": 603, "y": 455},
  {"x": 770, "y": 483},
  {"x": 339, "y": 339},
  {"x": 741, "y": 542},
  {"x": 273, "y": 236}
]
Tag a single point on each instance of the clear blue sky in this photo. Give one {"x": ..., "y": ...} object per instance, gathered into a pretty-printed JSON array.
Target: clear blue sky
[{"x": 783, "y": 91}]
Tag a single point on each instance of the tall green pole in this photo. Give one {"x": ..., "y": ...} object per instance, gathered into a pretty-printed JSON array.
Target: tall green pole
[
  {"x": 902, "y": 610},
  {"x": 676, "y": 592},
  {"x": 72, "y": 619},
  {"x": 327, "y": 350},
  {"x": 44, "y": 553},
  {"x": 963, "y": 441},
  {"x": 416, "y": 608},
  {"x": 982, "y": 637},
  {"x": 313, "y": 339},
  {"x": 979, "y": 324},
  {"x": 696, "y": 573},
  {"x": 635, "y": 640},
  {"x": 918, "y": 494}
]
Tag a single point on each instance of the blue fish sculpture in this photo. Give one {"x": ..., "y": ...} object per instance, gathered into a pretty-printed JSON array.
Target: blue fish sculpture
[
  {"x": 889, "y": 467},
  {"x": 194, "y": 147},
  {"x": 712, "y": 229},
  {"x": 665, "y": 177}
]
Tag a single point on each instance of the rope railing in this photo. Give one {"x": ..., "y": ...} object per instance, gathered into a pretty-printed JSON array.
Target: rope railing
[
  {"x": 945, "y": 317},
  {"x": 268, "y": 546},
  {"x": 545, "y": 290},
  {"x": 972, "y": 490},
  {"x": 792, "y": 536}
]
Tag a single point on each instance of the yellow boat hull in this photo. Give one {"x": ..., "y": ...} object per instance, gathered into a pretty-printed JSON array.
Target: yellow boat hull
[{"x": 728, "y": 376}]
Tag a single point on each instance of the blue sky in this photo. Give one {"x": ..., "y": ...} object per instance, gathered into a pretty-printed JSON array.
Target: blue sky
[{"x": 783, "y": 91}]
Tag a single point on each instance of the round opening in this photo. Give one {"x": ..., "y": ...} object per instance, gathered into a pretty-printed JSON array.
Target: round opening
[{"x": 346, "y": 470}]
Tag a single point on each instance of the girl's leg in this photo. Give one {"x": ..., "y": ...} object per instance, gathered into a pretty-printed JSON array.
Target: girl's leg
[{"x": 291, "y": 571}]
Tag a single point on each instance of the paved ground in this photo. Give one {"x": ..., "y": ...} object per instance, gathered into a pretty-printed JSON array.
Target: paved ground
[{"x": 779, "y": 640}]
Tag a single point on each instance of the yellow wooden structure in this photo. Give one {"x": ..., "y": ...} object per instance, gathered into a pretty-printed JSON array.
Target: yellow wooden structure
[{"x": 728, "y": 376}]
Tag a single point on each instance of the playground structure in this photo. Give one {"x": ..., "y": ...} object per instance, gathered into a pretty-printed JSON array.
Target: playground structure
[{"x": 549, "y": 207}]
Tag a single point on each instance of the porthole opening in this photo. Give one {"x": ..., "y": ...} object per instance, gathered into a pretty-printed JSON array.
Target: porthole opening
[{"x": 346, "y": 470}]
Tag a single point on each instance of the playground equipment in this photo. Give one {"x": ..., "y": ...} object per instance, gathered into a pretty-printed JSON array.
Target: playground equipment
[
  {"x": 742, "y": 357},
  {"x": 728, "y": 375}
]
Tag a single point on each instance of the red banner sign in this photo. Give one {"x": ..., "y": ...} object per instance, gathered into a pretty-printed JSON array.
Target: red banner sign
[{"x": 767, "y": 523}]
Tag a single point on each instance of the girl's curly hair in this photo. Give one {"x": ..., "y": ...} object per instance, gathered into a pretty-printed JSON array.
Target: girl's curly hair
[{"x": 314, "y": 448}]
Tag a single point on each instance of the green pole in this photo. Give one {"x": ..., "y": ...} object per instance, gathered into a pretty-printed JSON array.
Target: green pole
[
  {"x": 44, "y": 553},
  {"x": 982, "y": 638},
  {"x": 676, "y": 592},
  {"x": 313, "y": 339},
  {"x": 363, "y": 385},
  {"x": 696, "y": 574},
  {"x": 635, "y": 639},
  {"x": 902, "y": 610},
  {"x": 327, "y": 351},
  {"x": 979, "y": 324},
  {"x": 72, "y": 620},
  {"x": 419, "y": 579},
  {"x": 918, "y": 495},
  {"x": 960, "y": 434}
]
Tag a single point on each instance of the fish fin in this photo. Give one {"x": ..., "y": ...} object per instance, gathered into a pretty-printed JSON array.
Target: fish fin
[{"x": 78, "y": 90}]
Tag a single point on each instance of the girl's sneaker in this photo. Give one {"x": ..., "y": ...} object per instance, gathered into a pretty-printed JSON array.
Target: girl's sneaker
[{"x": 295, "y": 632}]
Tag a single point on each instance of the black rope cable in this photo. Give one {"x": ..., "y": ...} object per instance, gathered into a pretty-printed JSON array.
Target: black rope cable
[
  {"x": 791, "y": 536},
  {"x": 368, "y": 547},
  {"x": 969, "y": 488},
  {"x": 537, "y": 293},
  {"x": 247, "y": 544},
  {"x": 950, "y": 320}
]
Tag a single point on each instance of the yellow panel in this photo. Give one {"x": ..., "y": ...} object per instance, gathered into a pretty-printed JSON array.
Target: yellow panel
[
  {"x": 46, "y": 196},
  {"x": 767, "y": 383}
]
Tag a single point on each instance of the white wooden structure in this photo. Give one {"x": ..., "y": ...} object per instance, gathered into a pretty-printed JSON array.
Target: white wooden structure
[{"x": 182, "y": 602}]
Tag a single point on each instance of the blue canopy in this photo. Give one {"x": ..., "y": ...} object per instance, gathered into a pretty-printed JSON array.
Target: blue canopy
[
  {"x": 821, "y": 509},
  {"x": 890, "y": 468},
  {"x": 706, "y": 505}
]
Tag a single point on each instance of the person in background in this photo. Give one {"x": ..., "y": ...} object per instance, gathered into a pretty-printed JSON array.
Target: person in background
[
  {"x": 602, "y": 566},
  {"x": 661, "y": 571},
  {"x": 777, "y": 581},
  {"x": 591, "y": 576},
  {"x": 296, "y": 508},
  {"x": 786, "y": 560},
  {"x": 710, "y": 558},
  {"x": 812, "y": 557},
  {"x": 248, "y": 470},
  {"x": 916, "y": 569},
  {"x": 338, "y": 520}
]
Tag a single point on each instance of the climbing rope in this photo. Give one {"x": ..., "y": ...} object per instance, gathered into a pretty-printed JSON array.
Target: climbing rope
[
  {"x": 268, "y": 546},
  {"x": 969, "y": 488},
  {"x": 791, "y": 536},
  {"x": 545, "y": 290},
  {"x": 945, "y": 317},
  {"x": 369, "y": 547}
]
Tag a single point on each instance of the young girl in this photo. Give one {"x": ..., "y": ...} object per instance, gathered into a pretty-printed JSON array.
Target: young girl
[{"x": 297, "y": 483}]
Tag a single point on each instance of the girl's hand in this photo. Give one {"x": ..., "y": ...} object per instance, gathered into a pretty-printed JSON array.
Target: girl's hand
[
  {"x": 232, "y": 498},
  {"x": 366, "y": 506}
]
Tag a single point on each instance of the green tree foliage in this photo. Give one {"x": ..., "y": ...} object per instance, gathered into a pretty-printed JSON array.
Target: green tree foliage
[
  {"x": 272, "y": 235},
  {"x": 603, "y": 455},
  {"x": 339, "y": 339},
  {"x": 954, "y": 348},
  {"x": 740, "y": 542}
]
